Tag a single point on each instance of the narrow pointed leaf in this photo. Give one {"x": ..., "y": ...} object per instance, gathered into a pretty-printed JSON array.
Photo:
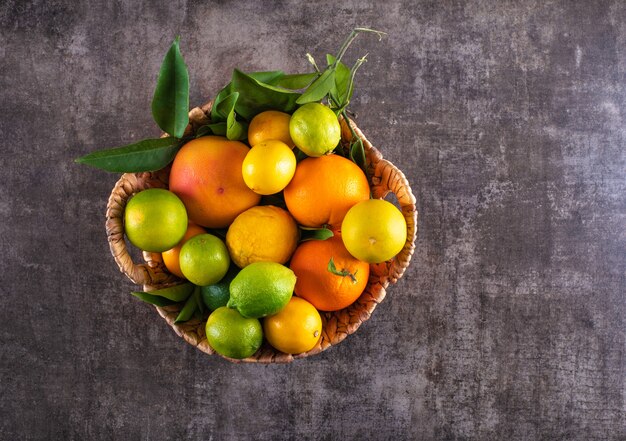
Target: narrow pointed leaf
[
  {"x": 318, "y": 88},
  {"x": 315, "y": 234},
  {"x": 146, "y": 155},
  {"x": 152, "y": 299},
  {"x": 170, "y": 104}
]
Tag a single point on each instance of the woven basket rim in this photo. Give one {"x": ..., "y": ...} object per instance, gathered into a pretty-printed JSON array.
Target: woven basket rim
[{"x": 383, "y": 177}]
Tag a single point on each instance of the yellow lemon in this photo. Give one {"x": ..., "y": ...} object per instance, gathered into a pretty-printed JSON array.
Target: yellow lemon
[
  {"x": 374, "y": 231},
  {"x": 295, "y": 329},
  {"x": 262, "y": 234},
  {"x": 268, "y": 167},
  {"x": 270, "y": 124}
]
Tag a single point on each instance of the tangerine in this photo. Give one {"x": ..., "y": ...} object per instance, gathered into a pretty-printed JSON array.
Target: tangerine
[
  {"x": 326, "y": 290},
  {"x": 323, "y": 190},
  {"x": 206, "y": 175},
  {"x": 170, "y": 257},
  {"x": 270, "y": 124}
]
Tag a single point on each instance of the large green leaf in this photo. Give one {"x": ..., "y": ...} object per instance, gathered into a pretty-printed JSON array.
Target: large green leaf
[
  {"x": 256, "y": 96},
  {"x": 296, "y": 81},
  {"x": 170, "y": 104},
  {"x": 146, "y": 155}
]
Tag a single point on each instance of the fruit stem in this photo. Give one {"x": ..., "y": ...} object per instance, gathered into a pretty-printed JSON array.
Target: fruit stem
[{"x": 343, "y": 273}]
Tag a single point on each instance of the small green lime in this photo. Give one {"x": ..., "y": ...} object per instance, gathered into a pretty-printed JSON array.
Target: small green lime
[
  {"x": 204, "y": 259},
  {"x": 233, "y": 335},
  {"x": 261, "y": 288},
  {"x": 217, "y": 295},
  {"x": 315, "y": 129},
  {"x": 155, "y": 220}
]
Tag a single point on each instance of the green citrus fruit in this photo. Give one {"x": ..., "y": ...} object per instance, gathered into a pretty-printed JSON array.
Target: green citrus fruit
[
  {"x": 268, "y": 167},
  {"x": 315, "y": 129},
  {"x": 261, "y": 288},
  {"x": 233, "y": 335},
  {"x": 374, "y": 231},
  {"x": 155, "y": 220},
  {"x": 217, "y": 295},
  {"x": 204, "y": 259}
]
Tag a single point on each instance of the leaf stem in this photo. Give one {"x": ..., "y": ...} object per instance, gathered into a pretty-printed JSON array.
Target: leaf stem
[{"x": 343, "y": 273}]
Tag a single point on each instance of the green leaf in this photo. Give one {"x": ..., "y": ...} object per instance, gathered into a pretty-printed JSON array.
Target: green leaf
[
  {"x": 218, "y": 128},
  {"x": 315, "y": 234},
  {"x": 268, "y": 77},
  {"x": 319, "y": 88},
  {"x": 152, "y": 299},
  {"x": 189, "y": 308},
  {"x": 234, "y": 128},
  {"x": 176, "y": 293},
  {"x": 342, "y": 81},
  {"x": 343, "y": 273},
  {"x": 226, "y": 91},
  {"x": 296, "y": 81},
  {"x": 146, "y": 155},
  {"x": 170, "y": 104},
  {"x": 204, "y": 131},
  {"x": 256, "y": 96},
  {"x": 357, "y": 153}
]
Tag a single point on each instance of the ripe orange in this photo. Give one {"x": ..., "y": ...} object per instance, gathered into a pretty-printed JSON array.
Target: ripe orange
[
  {"x": 325, "y": 290},
  {"x": 324, "y": 189},
  {"x": 268, "y": 125},
  {"x": 170, "y": 257},
  {"x": 206, "y": 175}
]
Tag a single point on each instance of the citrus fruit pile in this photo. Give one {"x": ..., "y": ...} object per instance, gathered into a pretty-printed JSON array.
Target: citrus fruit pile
[
  {"x": 268, "y": 217},
  {"x": 231, "y": 224}
]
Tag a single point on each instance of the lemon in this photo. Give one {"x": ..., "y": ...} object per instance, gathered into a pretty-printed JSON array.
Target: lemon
[
  {"x": 270, "y": 124},
  {"x": 232, "y": 335},
  {"x": 268, "y": 167},
  {"x": 262, "y": 234},
  {"x": 374, "y": 231},
  {"x": 204, "y": 259},
  {"x": 315, "y": 129},
  {"x": 155, "y": 220},
  {"x": 295, "y": 329},
  {"x": 261, "y": 288}
]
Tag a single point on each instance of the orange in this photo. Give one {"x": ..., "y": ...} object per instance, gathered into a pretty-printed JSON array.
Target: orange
[
  {"x": 262, "y": 234},
  {"x": 206, "y": 175},
  {"x": 328, "y": 291},
  {"x": 170, "y": 257},
  {"x": 269, "y": 125},
  {"x": 295, "y": 329},
  {"x": 323, "y": 190}
]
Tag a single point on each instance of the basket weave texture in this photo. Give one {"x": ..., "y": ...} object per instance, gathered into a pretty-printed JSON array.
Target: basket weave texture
[{"x": 384, "y": 178}]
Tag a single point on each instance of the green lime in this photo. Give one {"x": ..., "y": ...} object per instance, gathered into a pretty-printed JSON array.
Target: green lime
[
  {"x": 261, "y": 288},
  {"x": 204, "y": 259},
  {"x": 155, "y": 220},
  {"x": 217, "y": 295},
  {"x": 233, "y": 335},
  {"x": 315, "y": 129}
]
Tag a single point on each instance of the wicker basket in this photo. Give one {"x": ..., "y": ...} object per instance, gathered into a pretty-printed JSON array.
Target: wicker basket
[{"x": 384, "y": 178}]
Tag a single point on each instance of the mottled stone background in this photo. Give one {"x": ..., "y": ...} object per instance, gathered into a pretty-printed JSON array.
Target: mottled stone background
[{"x": 506, "y": 116}]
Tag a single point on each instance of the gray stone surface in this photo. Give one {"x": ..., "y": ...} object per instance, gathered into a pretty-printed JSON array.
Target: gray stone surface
[{"x": 507, "y": 118}]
